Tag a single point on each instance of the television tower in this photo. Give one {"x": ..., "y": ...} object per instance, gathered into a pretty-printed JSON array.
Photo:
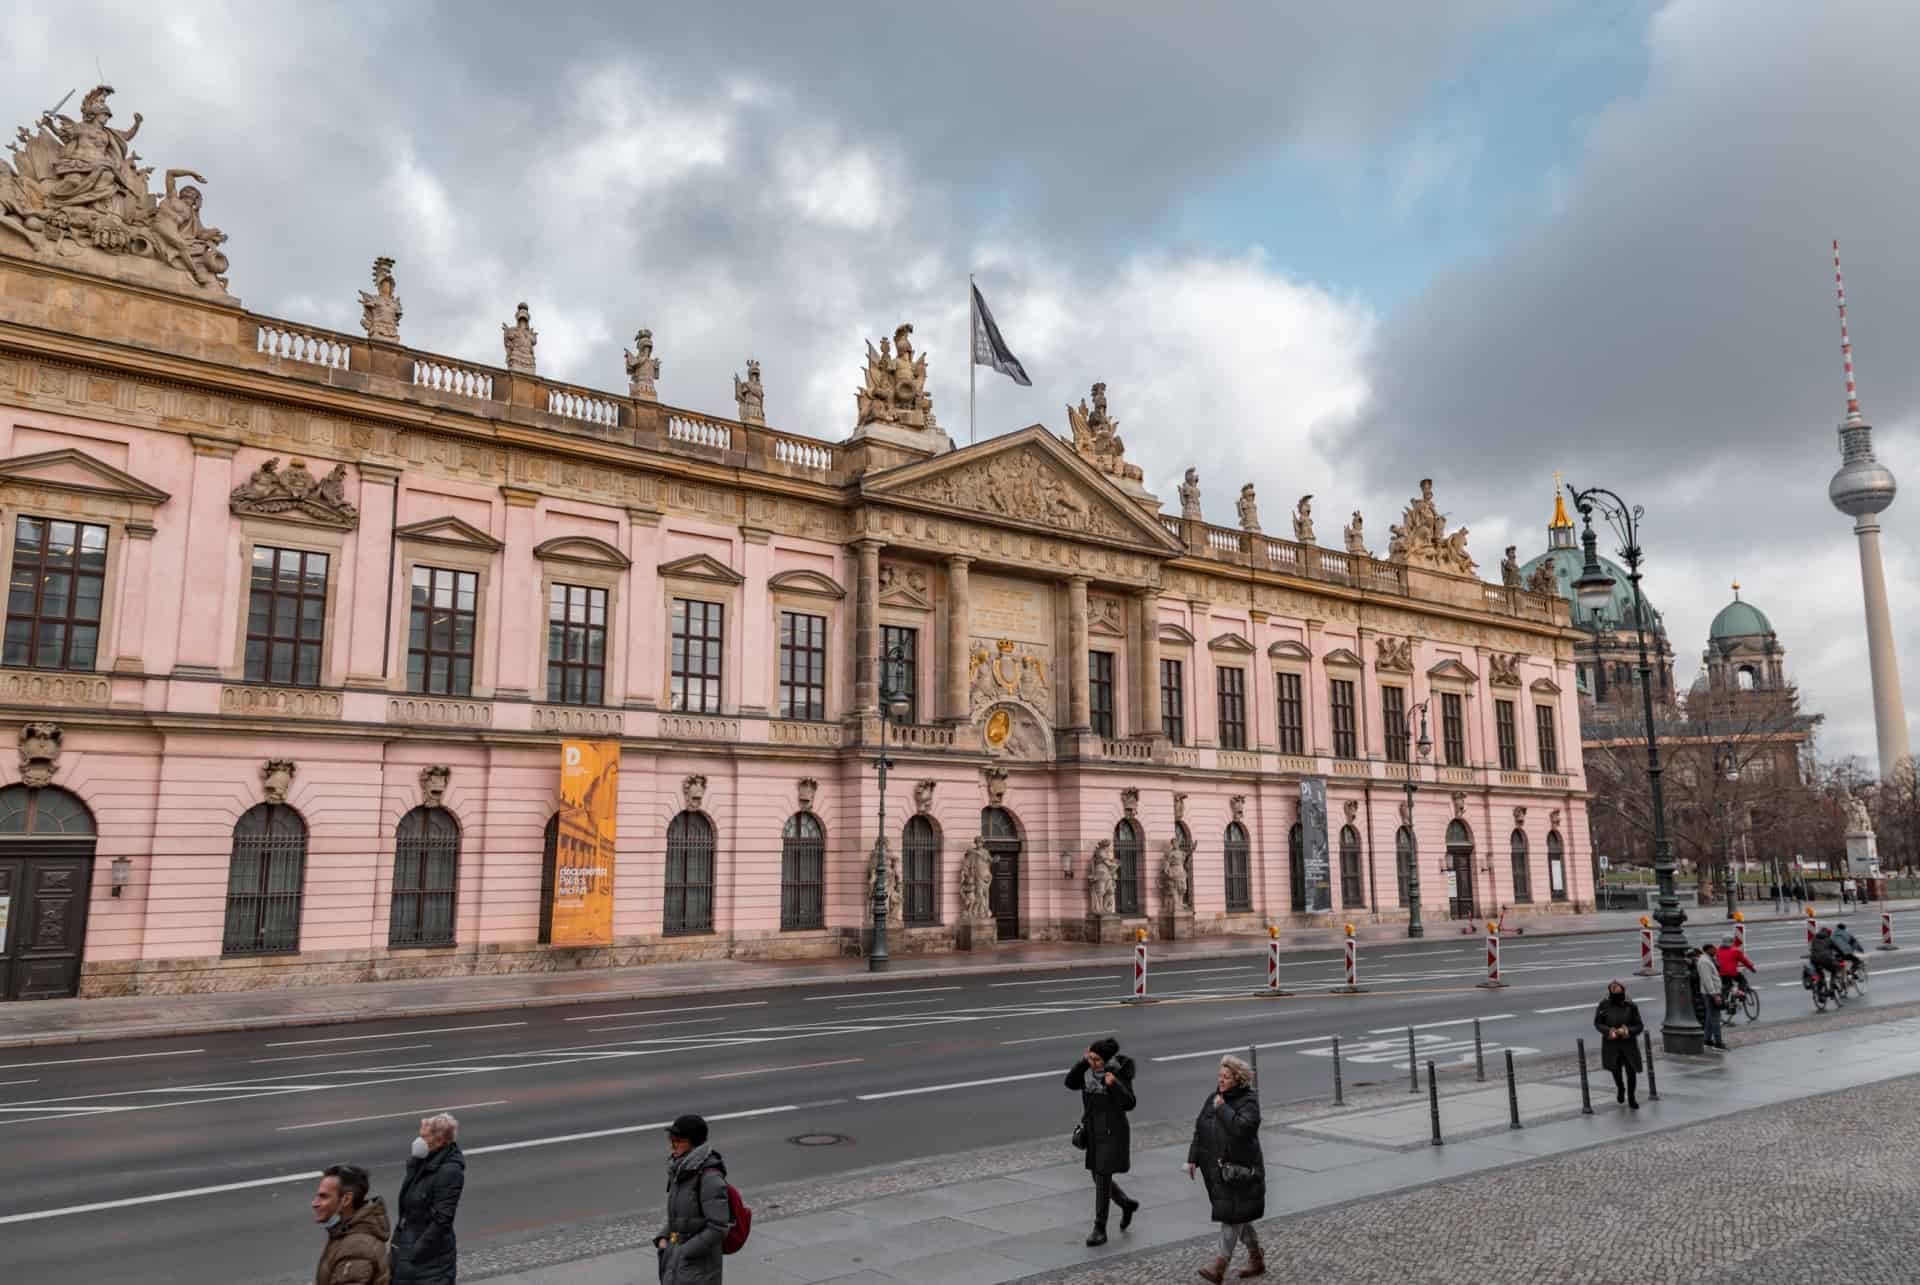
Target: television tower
[{"x": 1862, "y": 489}]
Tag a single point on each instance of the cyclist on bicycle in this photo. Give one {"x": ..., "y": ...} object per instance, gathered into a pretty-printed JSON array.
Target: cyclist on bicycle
[
  {"x": 1731, "y": 959},
  {"x": 1825, "y": 956},
  {"x": 1847, "y": 946}
]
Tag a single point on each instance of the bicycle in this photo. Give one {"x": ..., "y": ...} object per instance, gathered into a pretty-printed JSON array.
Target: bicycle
[
  {"x": 1824, "y": 990},
  {"x": 1856, "y": 978},
  {"x": 1742, "y": 998}
]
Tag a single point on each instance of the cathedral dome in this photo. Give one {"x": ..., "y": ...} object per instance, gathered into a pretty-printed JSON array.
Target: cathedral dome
[
  {"x": 1567, "y": 565},
  {"x": 1739, "y": 620}
]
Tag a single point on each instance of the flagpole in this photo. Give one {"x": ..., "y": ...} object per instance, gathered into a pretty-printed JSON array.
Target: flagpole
[{"x": 971, "y": 350}]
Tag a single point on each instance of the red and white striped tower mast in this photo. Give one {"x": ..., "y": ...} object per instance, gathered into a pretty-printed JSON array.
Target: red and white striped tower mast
[{"x": 1863, "y": 488}]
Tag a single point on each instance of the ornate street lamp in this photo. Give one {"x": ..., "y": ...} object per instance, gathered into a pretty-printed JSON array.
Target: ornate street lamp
[
  {"x": 1730, "y": 763},
  {"x": 894, "y": 706},
  {"x": 1414, "y": 927},
  {"x": 1680, "y": 1030}
]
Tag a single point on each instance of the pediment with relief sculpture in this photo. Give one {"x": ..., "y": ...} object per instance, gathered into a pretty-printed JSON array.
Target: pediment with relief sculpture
[{"x": 1028, "y": 478}]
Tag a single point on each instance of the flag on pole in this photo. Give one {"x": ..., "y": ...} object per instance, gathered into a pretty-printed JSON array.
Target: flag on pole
[{"x": 989, "y": 349}]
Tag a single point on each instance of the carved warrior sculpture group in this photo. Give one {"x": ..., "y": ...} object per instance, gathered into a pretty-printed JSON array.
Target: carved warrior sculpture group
[
  {"x": 269, "y": 492},
  {"x": 1420, "y": 538},
  {"x": 76, "y": 193},
  {"x": 895, "y": 391},
  {"x": 1096, "y": 437}
]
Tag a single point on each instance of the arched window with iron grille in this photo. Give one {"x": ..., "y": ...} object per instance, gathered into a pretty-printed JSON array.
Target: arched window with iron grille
[
  {"x": 920, "y": 871},
  {"x": 689, "y": 907},
  {"x": 266, "y": 876},
  {"x": 803, "y": 873},
  {"x": 1522, "y": 876},
  {"x": 1126, "y": 852},
  {"x": 1239, "y": 859},
  {"x": 1353, "y": 890},
  {"x": 426, "y": 877}
]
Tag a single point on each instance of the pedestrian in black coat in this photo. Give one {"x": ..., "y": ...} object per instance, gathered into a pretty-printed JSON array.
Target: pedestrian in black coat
[
  {"x": 1225, "y": 1152},
  {"x": 1104, "y": 1080},
  {"x": 1618, "y": 1020},
  {"x": 424, "y": 1251}
]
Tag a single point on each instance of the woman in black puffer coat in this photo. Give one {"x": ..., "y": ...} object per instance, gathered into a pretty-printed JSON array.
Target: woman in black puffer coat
[
  {"x": 1104, "y": 1081},
  {"x": 1226, "y": 1154},
  {"x": 424, "y": 1251}
]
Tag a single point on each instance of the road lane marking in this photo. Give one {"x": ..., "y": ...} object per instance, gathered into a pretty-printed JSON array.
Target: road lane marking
[
  {"x": 621, "y": 1130},
  {"x": 158, "y": 1197},
  {"x": 959, "y": 1084},
  {"x": 75, "y": 1061},
  {"x": 924, "y": 990},
  {"x": 10, "y": 1083},
  {"x": 1038, "y": 1039},
  {"x": 348, "y": 1039},
  {"x": 649, "y": 1012},
  {"x": 420, "y": 1114},
  {"x": 769, "y": 1070},
  {"x": 889, "y": 1003},
  {"x": 1240, "y": 1048},
  {"x": 1428, "y": 1026},
  {"x": 1564, "y": 1008},
  {"x": 308, "y": 1057},
  {"x": 654, "y": 1026},
  {"x": 1058, "y": 981}
]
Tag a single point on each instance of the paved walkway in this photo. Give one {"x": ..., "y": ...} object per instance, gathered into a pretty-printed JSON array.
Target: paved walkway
[
  {"x": 1019, "y": 1224},
  {"x": 72, "y": 1021}
]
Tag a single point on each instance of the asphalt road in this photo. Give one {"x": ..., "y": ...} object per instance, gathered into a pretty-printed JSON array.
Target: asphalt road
[{"x": 193, "y": 1159}]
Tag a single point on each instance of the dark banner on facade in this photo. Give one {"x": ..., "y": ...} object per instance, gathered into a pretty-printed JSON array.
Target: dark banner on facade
[
  {"x": 583, "y": 857},
  {"x": 1313, "y": 842}
]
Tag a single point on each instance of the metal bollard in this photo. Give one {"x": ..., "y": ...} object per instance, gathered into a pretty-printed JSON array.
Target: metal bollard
[
  {"x": 1586, "y": 1094},
  {"x": 1653, "y": 1088},
  {"x": 1413, "y": 1068},
  {"x": 1479, "y": 1058},
  {"x": 1433, "y": 1103},
  {"x": 1339, "y": 1094},
  {"x": 1513, "y": 1095},
  {"x": 1253, "y": 1064}
]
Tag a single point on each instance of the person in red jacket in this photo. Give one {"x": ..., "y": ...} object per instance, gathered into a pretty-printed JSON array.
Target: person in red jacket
[{"x": 1732, "y": 959}]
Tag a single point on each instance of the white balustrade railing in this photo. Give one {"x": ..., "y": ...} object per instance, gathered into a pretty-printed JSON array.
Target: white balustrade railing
[
  {"x": 1225, "y": 541},
  {"x": 581, "y": 406},
  {"x": 300, "y": 345},
  {"x": 815, "y": 455},
  {"x": 699, "y": 432},
  {"x": 457, "y": 380}
]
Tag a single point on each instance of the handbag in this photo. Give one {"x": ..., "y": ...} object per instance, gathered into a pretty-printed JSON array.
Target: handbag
[
  {"x": 1079, "y": 1138},
  {"x": 1234, "y": 1175}
]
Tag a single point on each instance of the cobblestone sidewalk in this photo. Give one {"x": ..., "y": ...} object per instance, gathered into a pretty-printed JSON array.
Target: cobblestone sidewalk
[{"x": 1822, "y": 1188}]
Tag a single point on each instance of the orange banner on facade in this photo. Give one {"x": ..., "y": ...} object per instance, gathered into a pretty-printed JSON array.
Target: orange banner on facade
[{"x": 583, "y": 857}]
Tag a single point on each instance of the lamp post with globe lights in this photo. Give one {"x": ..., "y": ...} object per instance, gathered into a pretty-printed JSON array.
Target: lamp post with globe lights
[
  {"x": 1680, "y": 1030},
  {"x": 894, "y": 708},
  {"x": 1425, "y": 747}
]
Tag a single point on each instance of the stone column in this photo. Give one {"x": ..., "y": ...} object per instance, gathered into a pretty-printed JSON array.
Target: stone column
[
  {"x": 866, "y": 628},
  {"x": 1079, "y": 717},
  {"x": 521, "y": 629},
  {"x": 1317, "y": 698},
  {"x": 130, "y": 628},
  {"x": 959, "y": 632},
  {"x": 372, "y": 584},
  {"x": 207, "y": 572},
  {"x": 1147, "y": 721},
  {"x": 1889, "y": 711}
]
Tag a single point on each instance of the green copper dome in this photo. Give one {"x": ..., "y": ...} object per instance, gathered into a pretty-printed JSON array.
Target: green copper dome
[
  {"x": 1739, "y": 620},
  {"x": 1617, "y": 614}
]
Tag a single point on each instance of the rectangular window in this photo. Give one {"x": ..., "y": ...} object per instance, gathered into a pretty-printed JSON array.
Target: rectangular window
[
  {"x": 1344, "y": 745},
  {"x": 440, "y": 635},
  {"x": 286, "y": 615},
  {"x": 699, "y": 642},
  {"x": 576, "y": 645},
  {"x": 903, "y": 646},
  {"x": 1509, "y": 742},
  {"x": 1549, "y": 741},
  {"x": 1293, "y": 714},
  {"x": 53, "y": 603},
  {"x": 803, "y": 665},
  {"x": 1453, "y": 730},
  {"x": 1100, "y": 691},
  {"x": 1232, "y": 691},
  {"x": 1173, "y": 701},
  {"x": 1393, "y": 722}
]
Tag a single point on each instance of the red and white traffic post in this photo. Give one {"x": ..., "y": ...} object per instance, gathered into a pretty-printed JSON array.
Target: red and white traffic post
[
  {"x": 1139, "y": 995},
  {"x": 1810, "y": 919},
  {"x": 1493, "y": 981},
  {"x": 1272, "y": 988},
  {"x": 1646, "y": 948},
  {"x": 1353, "y": 965},
  {"x": 1886, "y": 931}
]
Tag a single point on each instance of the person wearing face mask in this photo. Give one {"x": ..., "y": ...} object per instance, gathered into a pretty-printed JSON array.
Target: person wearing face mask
[
  {"x": 424, "y": 1251},
  {"x": 1618, "y": 1020},
  {"x": 356, "y": 1223},
  {"x": 699, "y": 1215},
  {"x": 1104, "y": 1080}
]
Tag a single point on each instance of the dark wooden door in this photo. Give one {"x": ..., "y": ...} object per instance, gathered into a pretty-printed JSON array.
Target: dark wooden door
[
  {"x": 1462, "y": 906},
  {"x": 1003, "y": 895},
  {"x": 46, "y": 924}
]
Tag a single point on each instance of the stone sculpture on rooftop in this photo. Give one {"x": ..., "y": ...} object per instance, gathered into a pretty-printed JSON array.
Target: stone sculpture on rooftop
[
  {"x": 1249, "y": 508},
  {"x": 1303, "y": 520},
  {"x": 895, "y": 391},
  {"x": 75, "y": 193},
  {"x": 519, "y": 340},
  {"x": 1510, "y": 567},
  {"x": 380, "y": 310},
  {"x": 1420, "y": 538},
  {"x": 1096, "y": 437},
  {"x": 1356, "y": 538},
  {"x": 1190, "y": 496},
  {"x": 750, "y": 396},
  {"x": 643, "y": 368}
]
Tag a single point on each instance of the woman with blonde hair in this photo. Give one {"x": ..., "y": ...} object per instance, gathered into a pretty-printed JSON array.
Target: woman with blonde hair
[{"x": 1226, "y": 1154}]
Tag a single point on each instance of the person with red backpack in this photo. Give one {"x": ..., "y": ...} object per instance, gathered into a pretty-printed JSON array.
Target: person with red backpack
[{"x": 705, "y": 1217}]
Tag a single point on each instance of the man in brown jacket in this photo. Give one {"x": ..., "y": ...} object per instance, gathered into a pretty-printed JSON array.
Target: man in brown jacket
[{"x": 357, "y": 1229}]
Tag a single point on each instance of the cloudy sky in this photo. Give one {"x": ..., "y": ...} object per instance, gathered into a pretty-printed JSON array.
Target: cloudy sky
[{"x": 1325, "y": 248}]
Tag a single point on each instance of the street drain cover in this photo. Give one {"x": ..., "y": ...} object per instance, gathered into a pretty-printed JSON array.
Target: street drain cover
[{"x": 820, "y": 1140}]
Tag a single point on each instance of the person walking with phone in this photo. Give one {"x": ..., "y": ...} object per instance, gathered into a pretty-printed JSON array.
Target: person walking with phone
[
  {"x": 1225, "y": 1153},
  {"x": 1104, "y": 1080}
]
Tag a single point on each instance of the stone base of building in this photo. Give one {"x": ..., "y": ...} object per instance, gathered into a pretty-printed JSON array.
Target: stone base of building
[
  {"x": 1111, "y": 930},
  {"x": 1176, "y": 925},
  {"x": 978, "y": 934}
]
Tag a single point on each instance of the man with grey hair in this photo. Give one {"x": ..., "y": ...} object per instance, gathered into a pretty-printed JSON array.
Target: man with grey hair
[{"x": 424, "y": 1251}]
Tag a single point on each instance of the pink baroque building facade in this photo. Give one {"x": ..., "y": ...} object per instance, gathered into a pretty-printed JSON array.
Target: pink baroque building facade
[{"x": 298, "y": 621}]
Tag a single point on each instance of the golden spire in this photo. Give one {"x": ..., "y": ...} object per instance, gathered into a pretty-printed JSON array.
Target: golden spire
[{"x": 1561, "y": 522}]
